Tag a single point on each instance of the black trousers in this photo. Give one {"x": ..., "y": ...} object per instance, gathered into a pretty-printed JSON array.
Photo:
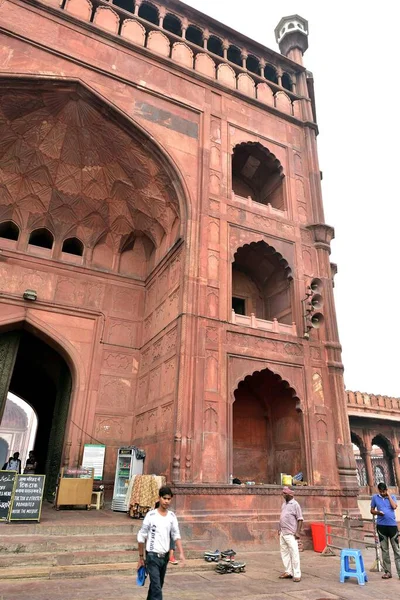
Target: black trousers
[
  {"x": 390, "y": 533},
  {"x": 156, "y": 568}
]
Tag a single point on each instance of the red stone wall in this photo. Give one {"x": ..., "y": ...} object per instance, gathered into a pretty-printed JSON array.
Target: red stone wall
[{"x": 157, "y": 360}]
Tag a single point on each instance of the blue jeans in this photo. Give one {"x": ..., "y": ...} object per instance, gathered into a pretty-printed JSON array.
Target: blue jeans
[{"x": 156, "y": 568}]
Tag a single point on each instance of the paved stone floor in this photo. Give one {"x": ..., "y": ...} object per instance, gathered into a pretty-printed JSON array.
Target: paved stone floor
[{"x": 320, "y": 581}]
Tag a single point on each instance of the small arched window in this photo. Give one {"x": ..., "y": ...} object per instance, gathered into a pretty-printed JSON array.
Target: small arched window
[
  {"x": 73, "y": 246},
  {"x": 149, "y": 12},
  {"x": 9, "y": 230},
  {"x": 253, "y": 64},
  {"x": 286, "y": 82},
  {"x": 194, "y": 35},
  {"x": 42, "y": 238},
  {"x": 234, "y": 55},
  {"x": 270, "y": 74},
  {"x": 127, "y": 5},
  {"x": 214, "y": 45},
  {"x": 172, "y": 23}
]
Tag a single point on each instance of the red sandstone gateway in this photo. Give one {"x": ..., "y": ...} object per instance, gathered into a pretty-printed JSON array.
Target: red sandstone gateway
[{"x": 161, "y": 224}]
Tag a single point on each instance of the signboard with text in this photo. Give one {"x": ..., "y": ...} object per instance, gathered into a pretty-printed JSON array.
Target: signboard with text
[
  {"x": 26, "y": 502},
  {"x": 7, "y": 482},
  {"x": 93, "y": 456}
]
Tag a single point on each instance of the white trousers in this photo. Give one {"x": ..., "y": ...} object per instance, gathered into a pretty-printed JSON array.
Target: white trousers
[{"x": 290, "y": 554}]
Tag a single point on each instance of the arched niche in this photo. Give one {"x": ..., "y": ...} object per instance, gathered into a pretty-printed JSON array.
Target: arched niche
[
  {"x": 149, "y": 12},
  {"x": 267, "y": 431},
  {"x": 173, "y": 24},
  {"x": 41, "y": 238},
  {"x": 99, "y": 174},
  {"x": 271, "y": 74},
  {"x": 235, "y": 55},
  {"x": 9, "y": 231},
  {"x": 261, "y": 283},
  {"x": 137, "y": 256},
  {"x": 258, "y": 174},
  {"x": 194, "y": 35},
  {"x": 214, "y": 45}
]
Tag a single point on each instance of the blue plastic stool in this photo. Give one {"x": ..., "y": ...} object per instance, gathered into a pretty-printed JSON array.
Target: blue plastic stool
[{"x": 346, "y": 571}]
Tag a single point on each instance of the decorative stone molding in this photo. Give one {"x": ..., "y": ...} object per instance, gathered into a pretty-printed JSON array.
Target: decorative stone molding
[
  {"x": 323, "y": 235},
  {"x": 259, "y": 490}
]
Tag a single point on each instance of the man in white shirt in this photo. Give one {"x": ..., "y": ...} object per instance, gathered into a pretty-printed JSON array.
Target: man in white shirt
[{"x": 158, "y": 527}]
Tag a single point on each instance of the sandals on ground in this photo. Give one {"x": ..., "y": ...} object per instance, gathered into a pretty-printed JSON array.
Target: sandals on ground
[{"x": 285, "y": 576}]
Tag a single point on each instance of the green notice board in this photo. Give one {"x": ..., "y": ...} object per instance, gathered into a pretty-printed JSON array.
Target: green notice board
[{"x": 93, "y": 456}]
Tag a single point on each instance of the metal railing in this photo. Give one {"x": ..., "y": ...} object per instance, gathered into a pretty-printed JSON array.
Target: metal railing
[{"x": 346, "y": 531}]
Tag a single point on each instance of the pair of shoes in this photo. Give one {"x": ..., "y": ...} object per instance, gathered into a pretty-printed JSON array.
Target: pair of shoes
[
  {"x": 228, "y": 554},
  {"x": 285, "y": 576},
  {"x": 296, "y": 579},
  {"x": 212, "y": 556},
  {"x": 386, "y": 576}
]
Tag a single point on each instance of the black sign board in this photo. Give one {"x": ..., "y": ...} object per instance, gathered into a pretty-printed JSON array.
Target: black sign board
[
  {"x": 7, "y": 480},
  {"x": 26, "y": 504}
]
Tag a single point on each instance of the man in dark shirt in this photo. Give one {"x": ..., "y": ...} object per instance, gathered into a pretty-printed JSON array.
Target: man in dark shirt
[{"x": 383, "y": 506}]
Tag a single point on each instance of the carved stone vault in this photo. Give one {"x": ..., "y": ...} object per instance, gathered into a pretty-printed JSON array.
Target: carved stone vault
[{"x": 66, "y": 165}]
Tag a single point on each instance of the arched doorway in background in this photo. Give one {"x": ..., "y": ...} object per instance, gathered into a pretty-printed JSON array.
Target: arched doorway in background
[{"x": 33, "y": 370}]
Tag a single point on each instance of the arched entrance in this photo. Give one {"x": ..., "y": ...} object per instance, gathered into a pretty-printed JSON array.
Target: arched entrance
[
  {"x": 4, "y": 452},
  {"x": 37, "y": 373},
  {"x": 382, "y": 460},
  {"x": 267, "y": 429}
]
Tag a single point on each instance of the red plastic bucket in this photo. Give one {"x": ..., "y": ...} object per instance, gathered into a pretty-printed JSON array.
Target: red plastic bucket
[{"x": 319, "y": 536}]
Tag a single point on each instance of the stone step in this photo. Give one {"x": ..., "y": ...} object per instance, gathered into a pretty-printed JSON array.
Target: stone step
[
  {"x": 13, "y": 529},
  {"x": 43, "y": 543},
  {"x": 54, "y": 559},
  {"x": 90, "y": 570}
]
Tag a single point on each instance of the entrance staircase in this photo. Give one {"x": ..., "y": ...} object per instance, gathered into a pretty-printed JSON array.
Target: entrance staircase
[{"x": 74, "y": 543}]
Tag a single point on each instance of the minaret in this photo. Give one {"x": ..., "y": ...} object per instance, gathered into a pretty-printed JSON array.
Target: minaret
[{"x": 291, "y": 33}]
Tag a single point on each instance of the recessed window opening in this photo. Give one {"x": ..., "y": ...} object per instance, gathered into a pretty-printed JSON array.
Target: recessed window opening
[
  {"x": 172, "y": 23},
  {"x": 149, "y": 12},
  {"x": 73, "y": 246},
  {"x": 256, "y": 173},
  {"x": 194, "y": 35},
  {"x": 9, "y": 230},
  {"x": 214, "y": 45},
  {"x": 234, "y": 55},
  {"x": 270, "y": 74},
  {"x": 286, "y": 82},
  {"x": 261, "y": 283},
  {"x": 239, "y": 305},
  {"x": 253, "y": 64},
  {"x": 128, "y": 5},
  {"x": 42, "y": 238}
]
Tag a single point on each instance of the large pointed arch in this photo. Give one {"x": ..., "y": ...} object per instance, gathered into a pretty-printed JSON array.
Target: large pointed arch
[
  {"x": 266, "y": 429},
  {"x": 122, "y": 164}
]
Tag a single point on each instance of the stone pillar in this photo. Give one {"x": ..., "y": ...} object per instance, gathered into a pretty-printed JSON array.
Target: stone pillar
[
  {"x": 185, "y": 25},
  {"x": 206, "y": 37},
  {"x": 137, "y": 6},
  {"x": 368, "y": 467},
  {"x": 323, "y": 235},
  {"x": 395, "y": 443},
  {"x": 262, "y": 64},
  {"x": 161, "y": 15},
  {"x": 279, "y": 74},
  {"x": 225, "y": 48},
  {"x": 244, "y": 55}
]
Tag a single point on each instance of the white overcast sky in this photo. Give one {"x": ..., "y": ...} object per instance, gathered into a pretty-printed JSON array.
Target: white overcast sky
[{"x": 353, "y": 54}]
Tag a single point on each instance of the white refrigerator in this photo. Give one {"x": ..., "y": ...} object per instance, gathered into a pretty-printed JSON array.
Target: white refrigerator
[{"x": 129, "y": 462}]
